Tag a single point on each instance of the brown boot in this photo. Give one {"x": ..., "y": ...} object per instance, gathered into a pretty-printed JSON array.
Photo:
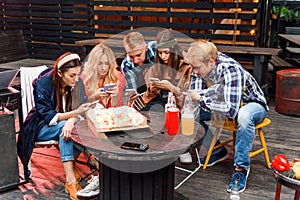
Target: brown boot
[
  {"x": 76, "y": 173},
  {"x": 72, "y": 189}
]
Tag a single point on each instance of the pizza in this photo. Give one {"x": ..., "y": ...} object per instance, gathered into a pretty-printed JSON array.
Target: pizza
[{"x": 117, "y": 117}]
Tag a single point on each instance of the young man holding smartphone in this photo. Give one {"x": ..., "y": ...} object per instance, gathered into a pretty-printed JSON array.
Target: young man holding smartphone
[{"x": 139, "y": 57}]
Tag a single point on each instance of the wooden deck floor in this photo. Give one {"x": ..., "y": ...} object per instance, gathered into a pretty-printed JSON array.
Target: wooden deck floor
[{"x": 282, "y": 136}]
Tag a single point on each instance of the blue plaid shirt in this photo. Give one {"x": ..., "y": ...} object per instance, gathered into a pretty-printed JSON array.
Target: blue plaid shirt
[
  {"x": 232, "y": 84},
  {"x": 132, "y": 72},
  {"x": 197, "y": 83}
]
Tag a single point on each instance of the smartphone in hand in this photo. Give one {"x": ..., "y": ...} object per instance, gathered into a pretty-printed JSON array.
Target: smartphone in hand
[
  {"x": 154, "y": 79},
  {"x": 109, "y": 86},
  {"x": 92, "y": 104},
  {"x": 130, "y": 90}
]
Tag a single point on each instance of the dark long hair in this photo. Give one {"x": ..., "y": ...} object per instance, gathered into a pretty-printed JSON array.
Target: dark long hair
[
  {"x": 71, "y": 94},
  {"x": 166, "y": 39}
]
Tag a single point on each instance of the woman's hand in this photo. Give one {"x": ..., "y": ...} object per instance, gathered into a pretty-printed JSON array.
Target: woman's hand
[
  {"x": 101, "y": 94},
  {"x": 83, "y": 108},
  {"x": 112, "y": 91},
  {"x": 67, "y": 129},
  {"x": 163, "y": 84}
]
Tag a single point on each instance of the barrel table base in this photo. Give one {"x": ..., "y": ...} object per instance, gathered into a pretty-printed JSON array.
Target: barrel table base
[
  {"x": 288, "y": 92},
  {"x": 157, "y": 185}
]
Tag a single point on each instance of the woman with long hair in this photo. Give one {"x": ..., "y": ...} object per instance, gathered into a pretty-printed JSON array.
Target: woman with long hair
[
  {"x": 100, "y": 70},
  {"x": 171, "y": 70},
  {"x": 59, "y": 95}
]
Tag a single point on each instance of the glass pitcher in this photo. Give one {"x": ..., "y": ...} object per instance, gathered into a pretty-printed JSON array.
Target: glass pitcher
[{"x": 187, "y": 116}]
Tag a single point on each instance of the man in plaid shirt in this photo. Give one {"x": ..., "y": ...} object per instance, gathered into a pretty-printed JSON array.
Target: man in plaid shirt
[
  {"x": 140, "y": 56},
  {"x": 231, "y": 85}
]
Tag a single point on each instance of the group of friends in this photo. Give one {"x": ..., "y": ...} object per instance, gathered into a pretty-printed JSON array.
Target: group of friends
[{"x": 216, "y": 83}]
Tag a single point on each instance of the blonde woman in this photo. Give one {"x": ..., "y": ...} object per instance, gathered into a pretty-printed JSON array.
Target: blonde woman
[{"x": 100, "y": 70}]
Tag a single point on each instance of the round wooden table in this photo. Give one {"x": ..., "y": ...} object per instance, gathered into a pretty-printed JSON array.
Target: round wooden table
[{"x": 129, "y": 174}]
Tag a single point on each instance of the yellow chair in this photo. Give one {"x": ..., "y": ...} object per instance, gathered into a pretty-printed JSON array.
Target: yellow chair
[{"x": 230, "y": 124}]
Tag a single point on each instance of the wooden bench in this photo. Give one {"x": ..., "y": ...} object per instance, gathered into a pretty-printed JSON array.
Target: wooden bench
[
  {"x": 13, "y": 51},
  {"x": 290, "y": 44},
  {"x": 278, "y": 62}
]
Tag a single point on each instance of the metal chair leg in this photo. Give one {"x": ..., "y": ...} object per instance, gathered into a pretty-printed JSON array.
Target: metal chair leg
[{"x": 191, "y": 172}]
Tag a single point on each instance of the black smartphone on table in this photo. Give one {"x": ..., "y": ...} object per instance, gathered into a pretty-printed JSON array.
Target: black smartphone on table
[{"x": 135, "y": 146}]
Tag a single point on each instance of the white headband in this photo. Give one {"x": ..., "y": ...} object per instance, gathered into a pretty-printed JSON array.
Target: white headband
[{"x": 66, "y": 59}]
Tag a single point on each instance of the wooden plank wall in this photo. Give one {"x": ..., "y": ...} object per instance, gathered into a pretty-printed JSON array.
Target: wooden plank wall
[
  {"x": 49, "y": 27},
  {"x": 52, "y": 27},
  {"x": 228, "y": 22}
]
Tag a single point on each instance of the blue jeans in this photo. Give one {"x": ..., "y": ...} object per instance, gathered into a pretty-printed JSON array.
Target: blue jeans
[
  {"x": 248, "y": 116},
  {"x": 66, "y": 148}
]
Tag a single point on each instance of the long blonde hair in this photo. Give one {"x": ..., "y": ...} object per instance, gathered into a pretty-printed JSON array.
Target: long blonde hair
[{"x": 90, "y": 72}]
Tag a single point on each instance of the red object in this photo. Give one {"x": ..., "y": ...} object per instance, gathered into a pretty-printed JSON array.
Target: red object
[
  {"x": 166, "y": 119},
  {"x": 280, "y": 163},
  {"x": 173, "y": 121},
  {"x": 167, "y": 106},
  {"x": 278, "y": 167},
  {"x": 288, "y": 92}
]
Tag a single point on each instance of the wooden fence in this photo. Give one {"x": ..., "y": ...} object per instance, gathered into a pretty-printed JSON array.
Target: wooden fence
[{"x": 52, "y": 27}]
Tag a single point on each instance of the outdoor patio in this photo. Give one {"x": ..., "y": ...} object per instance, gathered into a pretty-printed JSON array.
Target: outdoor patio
[
  {"x": 282, "y": 136},
  {"x": 241, "y": 29}
]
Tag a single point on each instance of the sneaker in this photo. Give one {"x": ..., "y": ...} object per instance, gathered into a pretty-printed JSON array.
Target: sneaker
[
  {"x": 185, "y": 159},
  {"x": 216, "y": 157},
  {"x": 91, "y": 189},
  {"x": 241, "y": 177},
  {"x": 72, "y": 189}
]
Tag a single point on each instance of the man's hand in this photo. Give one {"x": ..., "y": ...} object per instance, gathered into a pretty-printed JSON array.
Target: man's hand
[
  {"x": 131, "y": 95},
  {"x": 195, "y": 96}
]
